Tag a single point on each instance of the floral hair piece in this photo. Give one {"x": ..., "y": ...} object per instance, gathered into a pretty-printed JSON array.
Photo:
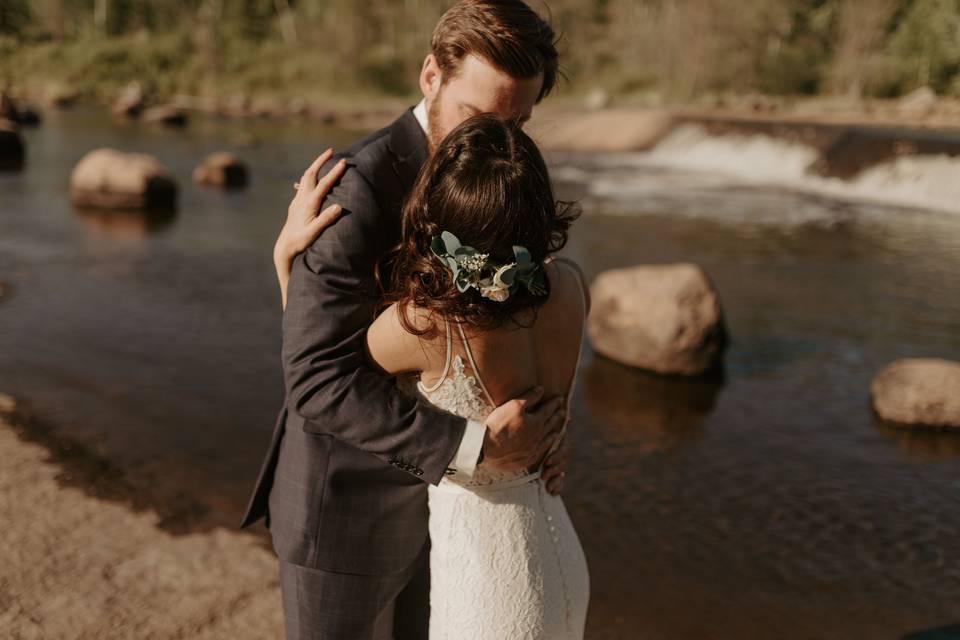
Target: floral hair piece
[{"x": 494, "y": 281}]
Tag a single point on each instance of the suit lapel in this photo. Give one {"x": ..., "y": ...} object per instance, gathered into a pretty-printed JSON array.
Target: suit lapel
[{"x": 408, "y": 143}]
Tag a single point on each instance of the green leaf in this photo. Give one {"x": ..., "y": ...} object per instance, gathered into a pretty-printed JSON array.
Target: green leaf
[
  {"x": 451, "y": 242},
  {"x": 523, "y": 255},
  {"x": 463, "y": 281},
  {"x": 438, "y": 247}
]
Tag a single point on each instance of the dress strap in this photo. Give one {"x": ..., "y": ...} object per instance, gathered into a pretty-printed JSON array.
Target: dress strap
[
  {"x": 446, "y": 364},
  {"x": 473, "y": 365},
  {"x": 573, "y": 380}
]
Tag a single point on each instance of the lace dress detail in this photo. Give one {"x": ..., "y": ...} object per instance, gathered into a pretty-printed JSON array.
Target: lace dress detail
[
  {"x": 460, "y": 394},
  {"x": 505, "y": 560}
]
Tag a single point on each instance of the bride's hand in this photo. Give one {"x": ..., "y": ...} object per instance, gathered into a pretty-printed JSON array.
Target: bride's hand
[{"x": 304, "y": 224}]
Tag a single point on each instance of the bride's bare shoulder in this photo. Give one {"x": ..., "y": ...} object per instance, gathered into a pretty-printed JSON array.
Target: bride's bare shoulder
[
  {"x": 403, "y": 338},
  {"x": 567, "y": 280}
]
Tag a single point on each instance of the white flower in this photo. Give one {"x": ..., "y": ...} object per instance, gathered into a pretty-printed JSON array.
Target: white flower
[
  {"x": 496, "y": 289},
  {"x": 495, "y": 293},
  {"x": 497, "y": 277}
]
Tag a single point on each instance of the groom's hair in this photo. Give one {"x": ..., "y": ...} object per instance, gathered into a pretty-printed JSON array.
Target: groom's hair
[
  {"x": 506, "y": 33},
  {"x": 488, "y": 185}
]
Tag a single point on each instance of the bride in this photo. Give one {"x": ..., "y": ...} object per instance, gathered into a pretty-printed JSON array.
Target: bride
[{"x": 477, "y": 311}]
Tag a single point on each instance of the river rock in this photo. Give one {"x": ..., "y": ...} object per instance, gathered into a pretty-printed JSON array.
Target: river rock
[
  {"x": 60, "y": 96},
  {"x": 30, "y": 116},
  {"x": 919, "y": 102},
  {"x": 8, "y": 405},
  {"x": 607, "y": 130},
  {"x": 8, "y": 108},
  {"x": 298, "y": 107},
  {"x": 597, "y": 99},
  {"x": 12, "y": 150},
  {"x": 129, "y": 104},
  {"x": 111, "y": 179},
  {"x": 221, "y": 169},
  {"x": 166, "y": 114},
  {"x": 918, "y": 392},
  {"x": 663, "y": 318}
]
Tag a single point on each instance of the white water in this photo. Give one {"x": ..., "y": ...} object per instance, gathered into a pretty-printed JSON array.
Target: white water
[{"x": 761, "y": 178}]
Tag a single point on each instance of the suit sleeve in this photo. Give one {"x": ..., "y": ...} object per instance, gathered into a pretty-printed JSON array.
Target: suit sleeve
[{"x": 331, "y": 302}]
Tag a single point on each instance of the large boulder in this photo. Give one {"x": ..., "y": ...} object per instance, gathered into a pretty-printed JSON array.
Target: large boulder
[
  {"x": 111, "y": 179},
  {"x": 663, "y": 318},
  {"x": 221, "y": 169},
  {"x": 918, "y": 392},
  {"x": 12, "y": 150}
]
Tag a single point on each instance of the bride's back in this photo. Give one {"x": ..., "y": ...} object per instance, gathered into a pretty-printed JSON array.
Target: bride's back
[{"x": 512, "y": 359}]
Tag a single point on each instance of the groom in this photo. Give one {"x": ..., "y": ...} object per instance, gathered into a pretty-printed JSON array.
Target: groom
[{"x": 343, "y": 487}]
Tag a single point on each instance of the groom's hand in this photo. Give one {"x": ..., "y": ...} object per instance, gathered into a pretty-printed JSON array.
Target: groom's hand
[{"x": 521, "y": 431}]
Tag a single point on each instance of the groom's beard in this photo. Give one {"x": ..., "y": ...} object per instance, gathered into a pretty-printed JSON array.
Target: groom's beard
[{"x": 434, "y": 134}]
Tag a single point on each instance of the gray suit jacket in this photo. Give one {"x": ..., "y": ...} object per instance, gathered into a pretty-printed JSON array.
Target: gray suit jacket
[{"x": 343, "y": 486}]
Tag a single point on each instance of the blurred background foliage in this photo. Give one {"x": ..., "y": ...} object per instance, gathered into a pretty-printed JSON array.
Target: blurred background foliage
[{"x": 668, "y": 49}]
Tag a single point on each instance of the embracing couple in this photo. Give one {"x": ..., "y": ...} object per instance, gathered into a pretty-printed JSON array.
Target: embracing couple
[{"x": 430, "y": 347}]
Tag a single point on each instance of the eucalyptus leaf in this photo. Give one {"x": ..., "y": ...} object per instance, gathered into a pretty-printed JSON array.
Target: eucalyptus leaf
[
  {"x": 438, "y": 247},
  {"x": 522, "y": 254},
  {"x": 463, "y": 281},
  {"x": 451, "y": 242}
]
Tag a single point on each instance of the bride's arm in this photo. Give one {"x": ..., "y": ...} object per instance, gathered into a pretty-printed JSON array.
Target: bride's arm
[
  {"x": 303, "y": 224},
  {"x": 391, "y": 347}
]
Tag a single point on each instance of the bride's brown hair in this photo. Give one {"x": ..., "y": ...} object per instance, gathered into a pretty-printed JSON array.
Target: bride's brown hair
[{"x": 487, "y": 184}]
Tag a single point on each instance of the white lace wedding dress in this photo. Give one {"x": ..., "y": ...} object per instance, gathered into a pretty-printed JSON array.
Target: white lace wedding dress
[{"x": 505, "y": 560}]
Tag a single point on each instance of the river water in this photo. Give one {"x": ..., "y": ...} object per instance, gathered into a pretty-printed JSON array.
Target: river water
[{"x": 769, "y": 504}]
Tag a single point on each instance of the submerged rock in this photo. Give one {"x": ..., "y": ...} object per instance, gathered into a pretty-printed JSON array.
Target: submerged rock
[
  {"x": 111, "y": 179},
  {"x": 221, "y": 169},
  {"x": 918, "y": 392},
  {"x": 663, "y": 318}
]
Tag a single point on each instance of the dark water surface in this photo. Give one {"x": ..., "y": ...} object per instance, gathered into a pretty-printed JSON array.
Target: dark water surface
[{"x": 768, "y": 505}]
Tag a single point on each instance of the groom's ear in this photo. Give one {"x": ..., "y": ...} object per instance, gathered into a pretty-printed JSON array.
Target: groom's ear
[{"x": 430, "y": 77}]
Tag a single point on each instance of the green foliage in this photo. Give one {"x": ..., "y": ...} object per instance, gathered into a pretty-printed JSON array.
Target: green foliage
[
  {"x": 15, "y": 15},
  {"x": 675, "y": 49},
  {"x": 925, "y": 47}
]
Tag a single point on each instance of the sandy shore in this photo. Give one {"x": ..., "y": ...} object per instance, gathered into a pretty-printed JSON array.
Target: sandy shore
[{"x": 75, "y": 566}]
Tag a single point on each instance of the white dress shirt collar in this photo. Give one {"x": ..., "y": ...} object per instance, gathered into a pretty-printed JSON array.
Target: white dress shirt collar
[{"x": 420, "y": 113}]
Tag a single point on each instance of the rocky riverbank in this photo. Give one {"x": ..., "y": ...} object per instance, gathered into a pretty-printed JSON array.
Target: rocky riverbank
[{"x": 76, "y": 566}]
